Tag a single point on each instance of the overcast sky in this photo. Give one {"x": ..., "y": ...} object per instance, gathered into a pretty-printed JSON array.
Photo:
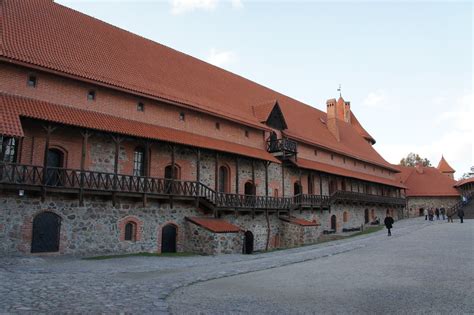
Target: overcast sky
[{"x": 406, "y": 67}]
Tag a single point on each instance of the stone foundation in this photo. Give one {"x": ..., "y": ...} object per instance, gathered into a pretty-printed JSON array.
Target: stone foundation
[{"x": 415, "y": 204}]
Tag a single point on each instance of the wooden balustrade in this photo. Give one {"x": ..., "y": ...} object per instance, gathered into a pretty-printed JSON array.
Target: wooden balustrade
[{"x": 25, "y": 176}]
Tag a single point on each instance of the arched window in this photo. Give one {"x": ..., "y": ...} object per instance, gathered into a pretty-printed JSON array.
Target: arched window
[
  {"x": 249, "y": 188},
  {"x": 139, "y": 162},
  {"x": 8, "y": 149},
  {"x": 171, "y": 173},
  {"x": 297, "y": 188},
  {"x": 345, "y": 217},
  {"x": 223, "y": 184},
  {"x": 275, "y": 192},
  {"x": 130, "y": 231}
]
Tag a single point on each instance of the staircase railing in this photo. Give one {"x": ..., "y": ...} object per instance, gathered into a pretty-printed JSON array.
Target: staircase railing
[{"x": 469, "y": 195}]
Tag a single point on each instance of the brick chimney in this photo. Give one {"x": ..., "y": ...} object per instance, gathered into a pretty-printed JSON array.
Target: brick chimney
[
  {"x": 347, "y": 112},
  {"x": 331, "y": 122},
  {"x": 419, "y": 167}
]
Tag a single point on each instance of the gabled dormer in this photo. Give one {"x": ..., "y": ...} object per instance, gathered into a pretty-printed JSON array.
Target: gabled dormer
[{"x": 271, "y": 115}]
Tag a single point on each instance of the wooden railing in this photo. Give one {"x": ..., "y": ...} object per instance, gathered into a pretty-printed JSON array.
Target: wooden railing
[
  {"x": 462, "y": 203},
  {"x": 281, "y": 145},
  {"x": 349, "y": 196},
  {"x": 26, "y": 176}
]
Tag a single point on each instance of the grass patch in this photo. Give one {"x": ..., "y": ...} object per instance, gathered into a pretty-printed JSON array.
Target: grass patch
[
  {"x": 368, "y": 230},
  {"x": 140, "y": 255}
]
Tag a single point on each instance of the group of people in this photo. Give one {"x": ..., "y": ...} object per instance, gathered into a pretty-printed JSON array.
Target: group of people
[{"x": 431, "y": 213}]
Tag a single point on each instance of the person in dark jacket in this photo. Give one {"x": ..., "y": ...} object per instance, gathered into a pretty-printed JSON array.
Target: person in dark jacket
[
  {"x": 461, "y": 214},
  {"x": 388, "y": 223}
]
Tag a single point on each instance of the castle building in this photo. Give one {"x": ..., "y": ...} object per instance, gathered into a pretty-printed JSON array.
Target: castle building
[
  {"x": 429, "y": 187},
  {"x": 112, "y": 143}
]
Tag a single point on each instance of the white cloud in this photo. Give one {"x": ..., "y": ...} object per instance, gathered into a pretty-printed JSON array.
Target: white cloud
[
  {"x": 375, "y": 99},
  {"x": 221, "y": 58},
  {"x": 182, "y": 6},
  {"x": 455, "y": 143}
]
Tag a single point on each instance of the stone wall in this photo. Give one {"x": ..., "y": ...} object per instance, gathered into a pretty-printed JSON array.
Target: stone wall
[
  {"x": 202, "y": 241},
  {"x": 93, "y": 228},
  {"x": 293, "y": 235},
  {"x": 415, "y": 204}
]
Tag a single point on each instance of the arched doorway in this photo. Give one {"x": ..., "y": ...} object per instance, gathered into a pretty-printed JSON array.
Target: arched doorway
[
  {"x": 366, "y": 216},
  {"x": 249, "y": 188},
  {"x": 273, "y": 142},
  {"x": 170, "y": 173},
  {"x": 55, "y": 160},
  {"x": 297, "y": 188},
  {"x": 248, "y": 243},
  {"x": 168, "y": 239},
  {"x": 223, "y": 183},
  {"x": 333, "y": 222},
  {"x": 46, "y": 233}
]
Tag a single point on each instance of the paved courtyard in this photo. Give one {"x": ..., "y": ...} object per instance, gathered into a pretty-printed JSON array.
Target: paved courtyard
[{"x": 420, "y": 268}]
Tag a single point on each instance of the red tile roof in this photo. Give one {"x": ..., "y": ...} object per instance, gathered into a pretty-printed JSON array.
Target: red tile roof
[
  {"x": 357, "y": 126},
  {"x": 464, "y": 181},
  {"x": 444, "y": 167},
  {"x": 299, "y": 221},
  {"x": 331, "y": 169},
  {"x": 214, "y": 225},
  {"x": 17, "y": 107},
  {"x": 55, "y": 38},
  {"x": 426, "y": 181}
]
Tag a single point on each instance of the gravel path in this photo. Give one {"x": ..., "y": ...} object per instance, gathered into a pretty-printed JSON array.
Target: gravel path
[
  {"x": 430, "y": 270},
  {"x": 142, "y": 284}
]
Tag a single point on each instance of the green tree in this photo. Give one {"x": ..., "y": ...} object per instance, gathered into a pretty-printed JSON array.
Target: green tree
[{"x": 412, "y": 159}]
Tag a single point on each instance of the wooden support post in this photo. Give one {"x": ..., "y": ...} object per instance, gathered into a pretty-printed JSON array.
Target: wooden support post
[
  {"x": 146, "y": 167},
  {"x": 282, "y": 180},
  {"x": 254, "y": 188},
  {"x": 198, "y": 174},
  {"x": 216, "y": 178},
  {"x": 173, "y": 173},
  {"x": 117, "y": 140},
  {"x": 49, "y": 130},
  {"x": 19, "y": 150},
  {"x": 85, "y": 138},
  {"x": 321, "y": 190},
  {"x": 32, "y": 149},
  {"x": 237, "y": 175}
]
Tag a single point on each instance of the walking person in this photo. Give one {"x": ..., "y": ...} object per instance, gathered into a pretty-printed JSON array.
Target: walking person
[
  {"x": 425, "y": 212},
  {"x": 431, "y": 214},
  {"x": 443, "y": 212},
  {"x": 449, "y": 213},
  {"x": 437, "y": 213},
  {"x": 461, "y": 214},
  {"x": 388, "y": 223}
]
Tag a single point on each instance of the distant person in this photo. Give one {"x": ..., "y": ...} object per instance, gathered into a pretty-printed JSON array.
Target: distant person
[
  {"x": 450, "y": 213},
  {"x": 437, "y": 213},
  {"x": 430, "y": 214},
  {"x": 425, "y": 212},
  {"x": 443, "y": 212},
  {"x": 388, "y": 223},
  {"x": 461, "y": 214}
]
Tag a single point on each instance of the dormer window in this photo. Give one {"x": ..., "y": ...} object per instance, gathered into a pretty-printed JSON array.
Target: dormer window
[
  {"x": 31, "y": 80},
  {"x": 91, "y": 95},
  {"x": 140, "y": 107}
]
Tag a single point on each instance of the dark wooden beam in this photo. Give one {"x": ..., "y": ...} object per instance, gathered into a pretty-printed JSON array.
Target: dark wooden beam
[
  {"x": 198, "y": 172},
  {"x": 237, "y": 175},
  {"x": 173, "y": 167},
  {"x": 85, "y": 138},
  {"x": 117, "y": 140},
  {"x": 49, "y": 130},
  {"x": 146, "y": 167},
  {"x": 216, "y": 171},
  {"x": 282, "y": 180},
  {"x": 254, "y": 187}
]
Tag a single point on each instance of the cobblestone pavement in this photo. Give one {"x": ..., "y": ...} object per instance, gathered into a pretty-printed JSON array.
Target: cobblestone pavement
[
  {"x": 427, "y": 271},
  {"x": 142, "y": 284}
]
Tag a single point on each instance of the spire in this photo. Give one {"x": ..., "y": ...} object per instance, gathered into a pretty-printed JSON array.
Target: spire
[{"x": 445, "y": 168}]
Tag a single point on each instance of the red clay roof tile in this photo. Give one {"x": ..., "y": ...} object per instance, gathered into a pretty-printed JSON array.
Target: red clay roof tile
[
  {"x": 444, "y": 167},
  {"x": 299, "y": 221},
  {"x": 331, "y": 169},
  {"x": 464, "y": 181},
  {"x": 17, "y": 107},
  {"x": 51, "y": 36},
  {"x": 427, "y": 181},
  {"x": 214, "y": 225}
]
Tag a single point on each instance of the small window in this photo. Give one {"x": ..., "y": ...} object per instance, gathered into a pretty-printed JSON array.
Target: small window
[
  {"x": 344, "y": 160},
  {"x": 130, "y": 231},
  {"x": 91, "y": 95},
  {"x": 8, "y": 149},
  {"x": 32, "y": 80},
  {"x": 355, "y": 163},
  {"x": 182, "y": 116},
  {"x": 247, "y": 133},
  {"x": 218, "y": 126},
  {"x": 316, "y": 152},
  {"x": 332, "y": 156},
  {"x": 140, "y": 107},
  {"x": 139, "y": 162}
]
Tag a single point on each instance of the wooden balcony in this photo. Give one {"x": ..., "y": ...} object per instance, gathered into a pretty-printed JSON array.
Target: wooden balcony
[
  {"x": 63, "y": 180},
  {"x": 351, "y": 197},
  {"x": 282, "y": 148}
]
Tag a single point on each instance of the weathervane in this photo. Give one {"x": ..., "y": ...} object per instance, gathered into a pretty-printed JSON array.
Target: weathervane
[{"x": 339, "y": 90}]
